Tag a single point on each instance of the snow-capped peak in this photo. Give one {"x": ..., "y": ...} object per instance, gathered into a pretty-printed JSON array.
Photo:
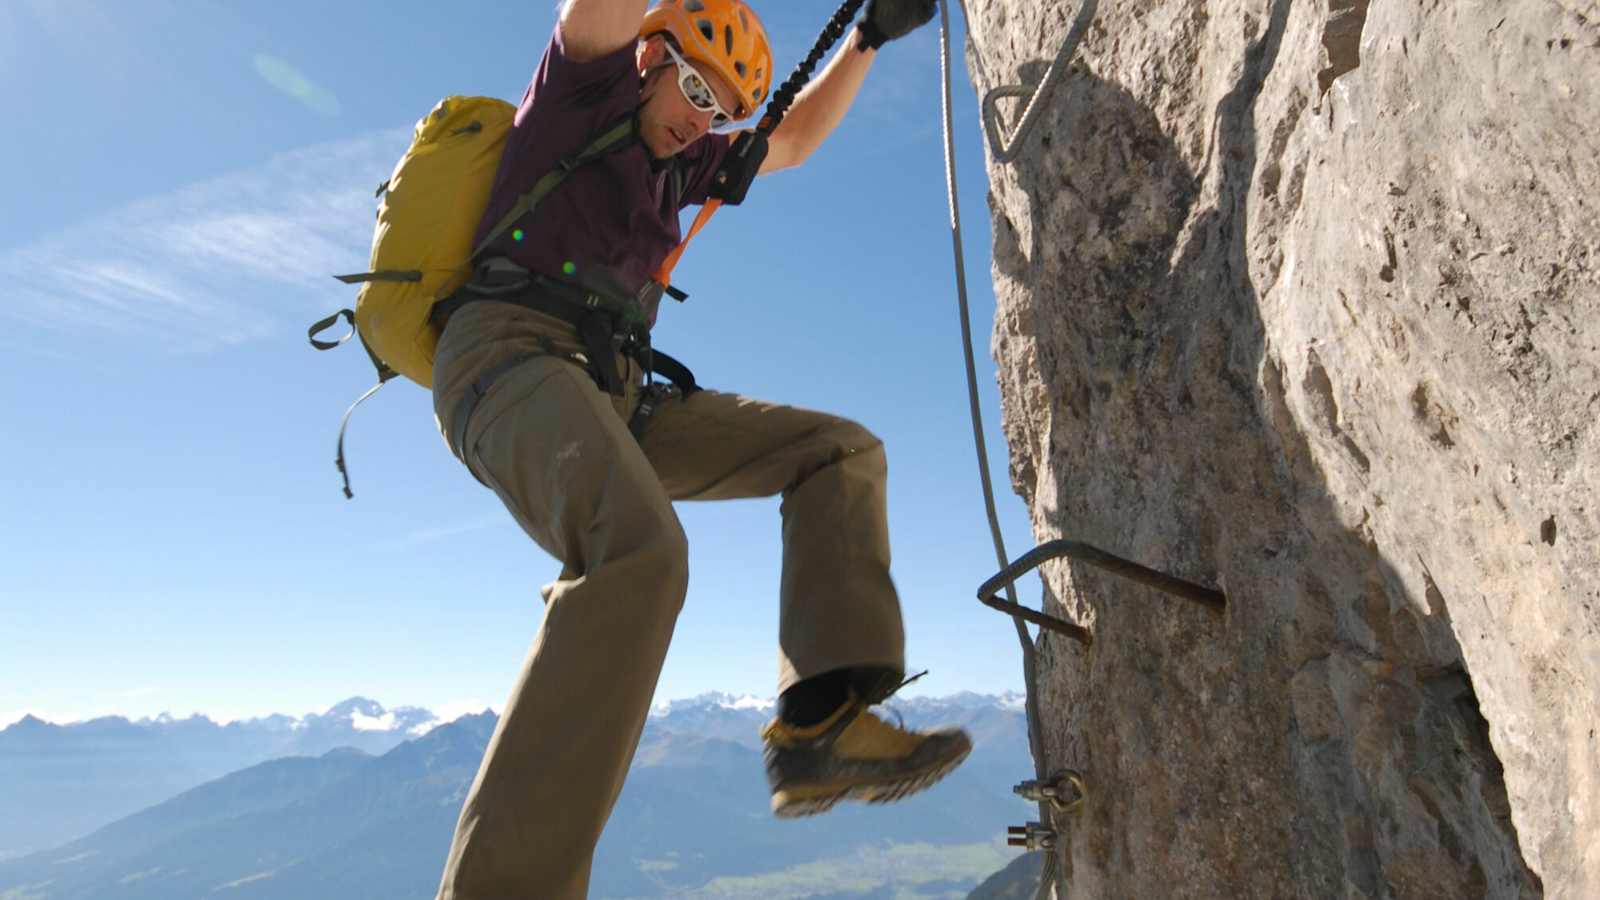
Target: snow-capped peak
[
  {"x": 360, "y": 722},
  {"x": 712, "y": 701},
  {"x": 1013, "y": 701}
]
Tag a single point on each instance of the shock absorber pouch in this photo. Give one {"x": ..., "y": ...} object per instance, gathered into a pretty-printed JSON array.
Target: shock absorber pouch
[{"x": 740, "y": 167}]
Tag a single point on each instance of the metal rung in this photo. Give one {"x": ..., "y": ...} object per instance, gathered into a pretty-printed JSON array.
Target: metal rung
[
  {"x": 988, "y": 593},
  {"x": 1005, "y": 150}
]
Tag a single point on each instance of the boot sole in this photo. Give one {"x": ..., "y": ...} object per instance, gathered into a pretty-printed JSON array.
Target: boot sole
[{"x": 787, "y": 807}]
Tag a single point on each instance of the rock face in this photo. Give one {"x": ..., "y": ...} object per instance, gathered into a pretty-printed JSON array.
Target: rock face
[{"x": 1298, "y": 298}]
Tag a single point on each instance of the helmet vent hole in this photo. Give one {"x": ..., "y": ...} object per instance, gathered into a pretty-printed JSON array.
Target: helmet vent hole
[
  {"x": 744, "y": 20},
  {"x": 707, "y": 29},
  {"x": 739, "y": 67},
  {"x": 727, "y": 38},
  {"x": 693, "y": 6}
]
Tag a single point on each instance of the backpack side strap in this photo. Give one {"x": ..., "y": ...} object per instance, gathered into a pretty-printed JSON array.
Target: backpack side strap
[
  {"x": 322, "y": 325},
  {"x": 384, "y": 374},
  {"x": 381, "y": 275}
]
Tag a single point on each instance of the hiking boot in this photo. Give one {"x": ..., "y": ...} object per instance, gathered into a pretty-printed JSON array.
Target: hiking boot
[{"x": 854, "y": 755}]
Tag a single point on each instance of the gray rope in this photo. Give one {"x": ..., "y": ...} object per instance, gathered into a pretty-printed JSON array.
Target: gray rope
[{"x": 1029, "y": 665}]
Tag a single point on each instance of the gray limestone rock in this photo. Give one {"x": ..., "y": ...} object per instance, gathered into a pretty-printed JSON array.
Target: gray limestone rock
[{"x": 1301, "y": 299}]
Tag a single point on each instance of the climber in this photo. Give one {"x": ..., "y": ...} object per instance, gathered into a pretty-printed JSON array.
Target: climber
[{"x": 534, "y": 396}]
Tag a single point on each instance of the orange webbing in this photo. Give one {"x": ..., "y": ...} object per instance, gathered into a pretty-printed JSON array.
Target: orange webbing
[{"x": 663, "y": 275}]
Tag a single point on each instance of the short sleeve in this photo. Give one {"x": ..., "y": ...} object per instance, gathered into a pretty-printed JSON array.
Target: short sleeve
[{"x": 562, "y": 82}]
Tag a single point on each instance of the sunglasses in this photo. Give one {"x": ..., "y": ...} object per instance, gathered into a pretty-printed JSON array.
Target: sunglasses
[{"x": 697, "y": 91}]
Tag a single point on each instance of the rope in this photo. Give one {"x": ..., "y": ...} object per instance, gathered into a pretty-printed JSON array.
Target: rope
[
  {"x": 785, "y": 95},
  {"x": 1029, "y": 663}
]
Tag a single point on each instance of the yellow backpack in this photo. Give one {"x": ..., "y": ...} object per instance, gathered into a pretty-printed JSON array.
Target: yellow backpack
[{"x": 422, "y": 249}]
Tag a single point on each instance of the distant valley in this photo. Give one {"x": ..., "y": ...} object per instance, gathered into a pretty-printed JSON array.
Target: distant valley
[{"x": 374, "y": 821}]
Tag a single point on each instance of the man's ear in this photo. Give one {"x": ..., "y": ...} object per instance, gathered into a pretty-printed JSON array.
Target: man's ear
[{"x": 651, "y": 53}]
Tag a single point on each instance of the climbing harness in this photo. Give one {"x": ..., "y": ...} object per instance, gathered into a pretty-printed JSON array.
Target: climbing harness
[
  {"x": 1067, "y": 791},
  {"x": 609, "y": 327}
]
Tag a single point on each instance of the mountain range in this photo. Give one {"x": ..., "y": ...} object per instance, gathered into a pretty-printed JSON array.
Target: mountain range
[
  {"x": 692, "y": 819},
  {"x": 59, "y": 782}
]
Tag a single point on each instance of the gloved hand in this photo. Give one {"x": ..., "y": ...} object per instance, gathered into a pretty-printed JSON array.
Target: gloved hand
[{"x": 889, "y": 19}]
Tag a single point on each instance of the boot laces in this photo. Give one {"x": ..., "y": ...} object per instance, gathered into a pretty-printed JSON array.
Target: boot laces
[
  {"x": 778, "y": 731},
  {"x": 900, "y": 721}
]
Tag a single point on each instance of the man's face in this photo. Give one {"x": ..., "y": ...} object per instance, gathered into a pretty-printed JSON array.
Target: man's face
[{"x": 668, "y": 122}]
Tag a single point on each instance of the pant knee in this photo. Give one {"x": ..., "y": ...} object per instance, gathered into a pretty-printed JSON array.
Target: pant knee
[
  {"x": 673, "y": 560},
  {"x": 846, "y": 450},
  {"x": 853, "y": 438}
]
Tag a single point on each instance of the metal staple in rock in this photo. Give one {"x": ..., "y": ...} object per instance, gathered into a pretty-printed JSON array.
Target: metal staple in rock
[
  {"x": 1005, "y": 150},
  {"x": 1213, "y": 600}
]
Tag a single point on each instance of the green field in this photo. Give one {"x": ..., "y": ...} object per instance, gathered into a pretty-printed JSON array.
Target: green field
[{"x": 898, "y": 871}]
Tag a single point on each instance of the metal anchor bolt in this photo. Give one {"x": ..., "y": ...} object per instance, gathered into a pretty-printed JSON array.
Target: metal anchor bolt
[
  {"x": 1033, "y": 836},
  {"x": 1065, "y": 794}
]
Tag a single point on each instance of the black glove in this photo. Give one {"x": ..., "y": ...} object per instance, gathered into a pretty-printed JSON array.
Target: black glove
[{"x": 889, "y": 19}]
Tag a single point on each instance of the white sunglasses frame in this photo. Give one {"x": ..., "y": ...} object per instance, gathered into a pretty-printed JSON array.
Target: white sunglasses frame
[{"x": 719, "y": 116}]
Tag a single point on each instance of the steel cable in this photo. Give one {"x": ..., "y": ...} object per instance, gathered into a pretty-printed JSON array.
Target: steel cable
[{"x": 1029, "y": 664}]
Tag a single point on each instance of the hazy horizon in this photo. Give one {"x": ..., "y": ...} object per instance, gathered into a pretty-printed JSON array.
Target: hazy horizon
[{"x": 449, "y": 712}]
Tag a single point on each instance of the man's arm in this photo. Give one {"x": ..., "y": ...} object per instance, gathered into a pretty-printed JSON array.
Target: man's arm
[
  {"x": 591, "y": 29},
  {"x": 820, "y": 107}
]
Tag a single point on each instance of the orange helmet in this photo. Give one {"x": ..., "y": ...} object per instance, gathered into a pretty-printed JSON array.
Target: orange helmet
[{"x": 722, "y": 34}]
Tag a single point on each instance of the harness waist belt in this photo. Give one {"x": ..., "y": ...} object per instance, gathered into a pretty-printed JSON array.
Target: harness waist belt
[
  {"x": 572, "y": 308},
  {"x": 595, "y": 319}
]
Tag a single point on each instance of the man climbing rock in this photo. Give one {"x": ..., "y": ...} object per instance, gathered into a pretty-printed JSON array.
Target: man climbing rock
[{"x": 542, "y": 387}]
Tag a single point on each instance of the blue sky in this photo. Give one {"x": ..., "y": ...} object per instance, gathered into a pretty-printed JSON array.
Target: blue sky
[{"x": 183, "y": 180}]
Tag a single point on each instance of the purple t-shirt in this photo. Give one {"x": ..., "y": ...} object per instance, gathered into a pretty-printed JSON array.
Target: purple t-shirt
[{"x": 615, "y": 217}]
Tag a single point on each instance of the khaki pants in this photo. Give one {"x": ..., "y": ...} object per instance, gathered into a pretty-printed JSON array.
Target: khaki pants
[{"x": 558, "y": 452}]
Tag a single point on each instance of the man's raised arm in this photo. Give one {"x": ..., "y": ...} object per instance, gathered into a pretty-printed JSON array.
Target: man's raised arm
[
  {"x": 591, "y": 29},
  {"x": 823, "y": 103}
]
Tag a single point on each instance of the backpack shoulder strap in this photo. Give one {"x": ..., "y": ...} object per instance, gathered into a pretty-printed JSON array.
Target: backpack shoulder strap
[{"x": 618, "y": 135}]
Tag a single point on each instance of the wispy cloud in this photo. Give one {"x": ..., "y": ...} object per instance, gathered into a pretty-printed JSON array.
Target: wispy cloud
[
  {"x": 289, "y": 80},
  {"x": 422, "y": 536},
  {"x": 234, "y": 259}
]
